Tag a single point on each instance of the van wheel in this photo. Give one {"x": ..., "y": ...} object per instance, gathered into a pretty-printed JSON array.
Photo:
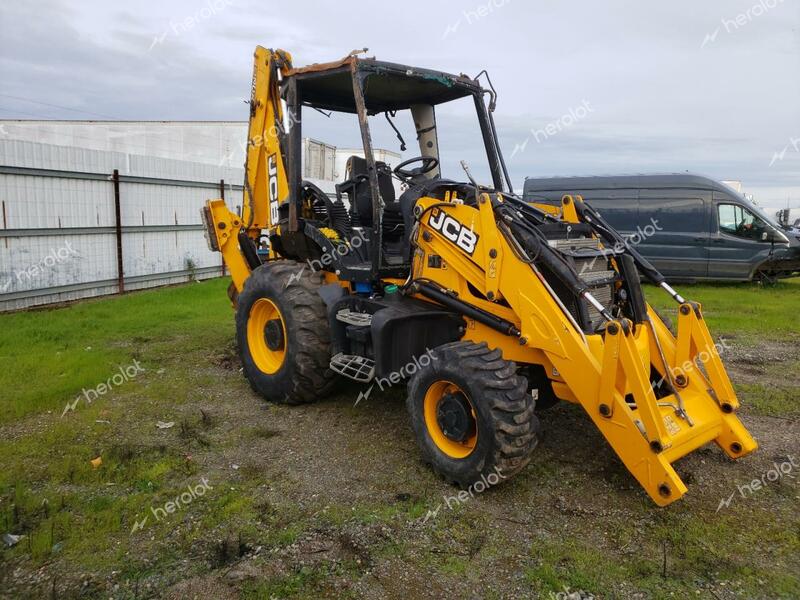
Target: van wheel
[{"x": 766, "y": 277}]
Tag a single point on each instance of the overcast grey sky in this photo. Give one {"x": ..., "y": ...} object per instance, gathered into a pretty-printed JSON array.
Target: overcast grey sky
[{"x": 710, "y": 87}]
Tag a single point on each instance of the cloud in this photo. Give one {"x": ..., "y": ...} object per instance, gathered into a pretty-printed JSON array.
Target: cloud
[{"x": 662, "y": 102}]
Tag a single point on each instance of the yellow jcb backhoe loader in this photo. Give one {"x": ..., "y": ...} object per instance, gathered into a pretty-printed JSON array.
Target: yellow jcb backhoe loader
[{"x": 493, "y": 307}]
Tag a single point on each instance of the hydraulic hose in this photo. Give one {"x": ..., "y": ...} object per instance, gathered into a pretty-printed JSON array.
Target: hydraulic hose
[
  {"x": 611, "y": 236},
  {"x": 533, "y": 242},
  {"x": 472, "y": 312}
]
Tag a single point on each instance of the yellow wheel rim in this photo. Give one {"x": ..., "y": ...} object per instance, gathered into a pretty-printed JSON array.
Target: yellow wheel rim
[
  {"x": 451, "y": 447},
  {"x": 266, "y": 336}
]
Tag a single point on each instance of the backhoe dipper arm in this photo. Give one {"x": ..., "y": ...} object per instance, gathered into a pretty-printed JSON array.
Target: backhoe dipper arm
[{"x": 265, "y": 186}]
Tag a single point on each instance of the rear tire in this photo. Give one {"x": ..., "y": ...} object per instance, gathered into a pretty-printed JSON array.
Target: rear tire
[
  {"x": 463, "y": 379},
  {"x": 283, "y": 333}
]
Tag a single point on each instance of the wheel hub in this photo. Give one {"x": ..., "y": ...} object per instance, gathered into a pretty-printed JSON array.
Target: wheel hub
[
  {"x": 266, "y": 336},
  {"x": 273, "y": 334},
  {"x": 454, "y": 417}
]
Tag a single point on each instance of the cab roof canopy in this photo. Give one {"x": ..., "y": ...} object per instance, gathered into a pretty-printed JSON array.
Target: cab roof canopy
[{"x": 387, "y": 86}]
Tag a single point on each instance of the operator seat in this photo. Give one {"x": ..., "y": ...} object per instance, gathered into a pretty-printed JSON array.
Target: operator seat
[{"x": 356, "y": 186}]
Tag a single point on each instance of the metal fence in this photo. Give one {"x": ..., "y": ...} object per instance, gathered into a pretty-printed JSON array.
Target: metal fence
[{"x": 78, "y": 223}]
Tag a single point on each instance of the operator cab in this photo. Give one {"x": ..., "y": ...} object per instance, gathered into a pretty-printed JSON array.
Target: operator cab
[{"x": 367, "y": 202}]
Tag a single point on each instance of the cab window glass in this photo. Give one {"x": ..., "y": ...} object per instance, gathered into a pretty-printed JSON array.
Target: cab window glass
[{"x": 737, "y": 220}]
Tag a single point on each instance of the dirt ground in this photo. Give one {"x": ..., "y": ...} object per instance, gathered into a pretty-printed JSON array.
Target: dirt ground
[
  {"x": 331, "y": 453},
  {"x": 331, "y": 500}
]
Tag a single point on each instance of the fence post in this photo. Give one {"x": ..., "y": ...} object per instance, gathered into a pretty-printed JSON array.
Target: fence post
[
  {"x": 222, "y": 195},
  {"x": 117, "y": 212}
]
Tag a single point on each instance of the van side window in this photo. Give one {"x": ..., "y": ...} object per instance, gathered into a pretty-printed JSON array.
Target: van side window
[
  {"x": 737, "y": 220},
  {"x": 673, "y": 210},
  {"x": 621, "y": 210}
]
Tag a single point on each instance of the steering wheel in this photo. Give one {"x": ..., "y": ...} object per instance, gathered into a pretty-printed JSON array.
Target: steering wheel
[{"x": 429, "y": 163}]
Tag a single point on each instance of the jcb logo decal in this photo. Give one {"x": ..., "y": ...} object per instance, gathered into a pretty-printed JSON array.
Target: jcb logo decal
[
  {"x": 459, "y": 234},
  {"x": 272, "y": 171}
]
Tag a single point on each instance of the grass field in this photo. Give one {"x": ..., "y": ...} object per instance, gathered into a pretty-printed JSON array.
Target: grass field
[{"x": 232, "y": 497}]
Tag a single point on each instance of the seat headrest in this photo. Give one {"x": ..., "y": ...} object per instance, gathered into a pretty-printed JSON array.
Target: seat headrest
[{"x": 356, "y": 165}]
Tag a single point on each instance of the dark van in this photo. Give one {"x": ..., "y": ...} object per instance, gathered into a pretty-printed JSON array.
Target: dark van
[{"x": 690, "y": 227}]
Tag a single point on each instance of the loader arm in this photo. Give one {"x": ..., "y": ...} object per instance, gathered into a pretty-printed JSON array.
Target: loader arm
[
  {"x": 265, "y": 186},
  {"x": 609, "y": 373}
]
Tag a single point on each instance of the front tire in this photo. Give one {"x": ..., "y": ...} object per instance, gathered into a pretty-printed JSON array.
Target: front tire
[
  {"x": 283, "y": 333},
  {"x": 471, "y": 414}
]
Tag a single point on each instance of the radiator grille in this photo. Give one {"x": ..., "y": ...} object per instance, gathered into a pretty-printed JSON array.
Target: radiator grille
[{"x": 595, "y": 271}]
